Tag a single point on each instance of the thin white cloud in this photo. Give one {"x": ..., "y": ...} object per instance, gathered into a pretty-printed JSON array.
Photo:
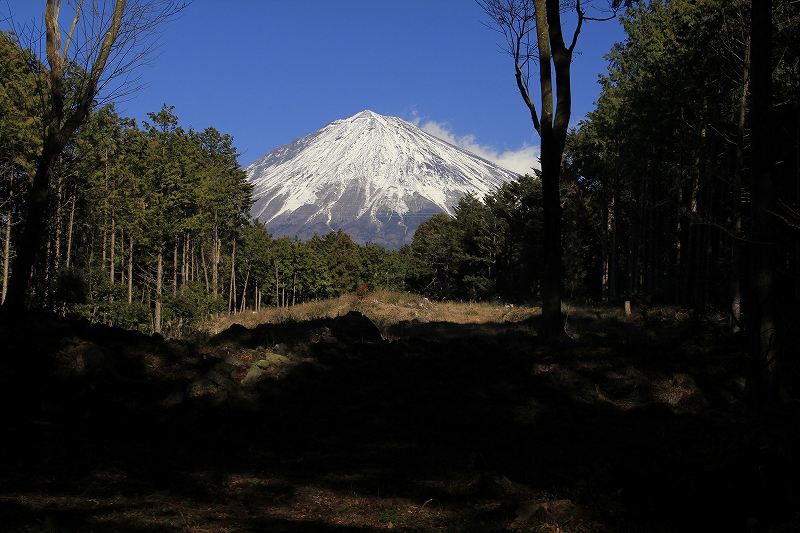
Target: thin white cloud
[{"x": 520, "y": 160}]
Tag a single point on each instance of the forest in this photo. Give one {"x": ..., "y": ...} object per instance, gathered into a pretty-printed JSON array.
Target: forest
[
  {"x": 609, "y": 343},
  {"x": 669, "y": 228},
  {"x": 149, "y": 224}
]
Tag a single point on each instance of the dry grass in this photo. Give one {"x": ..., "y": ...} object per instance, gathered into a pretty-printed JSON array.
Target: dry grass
[{"x": 384, "y": 308}]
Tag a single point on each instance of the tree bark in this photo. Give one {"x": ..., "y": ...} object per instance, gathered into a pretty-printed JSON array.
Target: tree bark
[
  {"x": 175, "y": 267},
  {"x": 130, "y": 270},
  {"x": 185, "y": 260},
  {"x": 57, "y": 219},
  {"x": 232, "y": 286},
  {"x": 215, "y": 263},
  {"x": 244, "y": 292},
  {"x": 203, "y": 262},
  {"x": 103, "y": 254},
  {"x": 70, "y": 226},
  {"x": 159, "y": 276},
  {"x": 277, "y": 301},
  {"x": 6, "y": 253},
  {"x": 112, "y": 248},
  {"x": 122, "y": 251},
  {"x": 738, "y": 171}
]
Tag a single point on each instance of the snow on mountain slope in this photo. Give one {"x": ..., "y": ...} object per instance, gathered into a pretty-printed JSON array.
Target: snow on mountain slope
[{"x": 375, "y": 177}]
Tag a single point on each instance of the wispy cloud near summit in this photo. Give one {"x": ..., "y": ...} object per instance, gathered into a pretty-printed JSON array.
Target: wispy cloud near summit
[{"x": 520, "y": 160}]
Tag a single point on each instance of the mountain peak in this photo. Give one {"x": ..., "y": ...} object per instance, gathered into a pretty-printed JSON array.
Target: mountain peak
[{"x": 375, "y": 177}]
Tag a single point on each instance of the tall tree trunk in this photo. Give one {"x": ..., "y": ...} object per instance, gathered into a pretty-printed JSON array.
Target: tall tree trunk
[
  {"x": 70, "y": 226},
  {"x": 57, "y": 224},
  {"x": 103, "y": 253},
  {"x": 192, "y": 263},
  {"x": 203, "y": 262},
  {"x": 765, "y": 349},
  {"x": 738, "y": 171},
  {"x": 184, "y": 260},
  {"x": 612, "y": 253},
  {"x": 232, "y": 286},
  {"x": 122, "y": 253},
  {"x": 130, "y": 270},
  {"x": 215, "y": 263},
  {"x": 159, "y": 277},
  {"x": 6, "y": 254},
  {"x": 175, "y": 266},
  {"x": 604, "y": 247},
  {"x": 32, "y": 232},
  {"x": 46, "y": 276},
  {"x": 112, "y": 249},
  {"x": 277, "y": 300},
  {"x": 244, "y": 292}
]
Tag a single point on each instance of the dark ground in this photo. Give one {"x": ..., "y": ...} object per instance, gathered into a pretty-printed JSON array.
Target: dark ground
[{"x": 637, "y": 425}]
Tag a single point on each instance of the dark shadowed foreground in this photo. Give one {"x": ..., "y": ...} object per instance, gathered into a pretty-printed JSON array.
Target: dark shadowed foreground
[{"x": 332, "y": 425}]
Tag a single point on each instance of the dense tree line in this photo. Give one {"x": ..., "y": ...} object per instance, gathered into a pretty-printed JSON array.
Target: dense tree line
[
  {"x": 692, "y": 160},
  {"x": 656, "y": 182},
  {"x": 147, "y": 225},
  {"x": 492, "y": 248}
]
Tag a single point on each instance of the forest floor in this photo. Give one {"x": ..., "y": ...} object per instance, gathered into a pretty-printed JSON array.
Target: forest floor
[{"x": 422, "y": 417}]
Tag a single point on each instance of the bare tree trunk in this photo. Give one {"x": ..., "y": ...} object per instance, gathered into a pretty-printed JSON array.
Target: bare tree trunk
[
  {"x": 276, "y": 284},
  {"x": 6, "y": 253},
  {"x": 130, "y": 270},
  {"x": 113, "y": 246},
  {"x": 122, "y": 252},
  {"x": 184, "y": 260},
  {"x": 612, "y": 260},
  {"x": 175, "y": 267},
  {"x": 159, "y": 276},
  {"x": 294, "y": 284},
  {"x": 736, "y": 247},
  {"x": 203, "y": 262},
  {"x": 232, "y": 286},
  {"x": 46, "y": 267},
  {"x": 70, "y": 225},
  {"x": 57, "y": 218},
  {"x": 215, "y": 263},
  {"x": 192, "y": 263},
  {"x": 90, "y": 260},
  {"x": 103, "y": 254},
  {"x": 604, "y": 247},
  {"x": 244, "y": 292}
]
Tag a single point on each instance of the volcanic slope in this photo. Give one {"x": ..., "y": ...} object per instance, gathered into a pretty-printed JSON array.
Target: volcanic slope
[{"x": 373, "y": 176}]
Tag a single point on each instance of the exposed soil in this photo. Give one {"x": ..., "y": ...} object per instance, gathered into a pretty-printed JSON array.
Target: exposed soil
[{"x": 335, "y": 425}]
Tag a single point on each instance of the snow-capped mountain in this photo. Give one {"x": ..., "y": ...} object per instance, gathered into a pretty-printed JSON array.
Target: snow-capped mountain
[{"x": 375, "y": 177}]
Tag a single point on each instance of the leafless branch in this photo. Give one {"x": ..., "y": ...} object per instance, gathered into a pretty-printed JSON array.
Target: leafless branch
[{"x": 515, "y": 20}]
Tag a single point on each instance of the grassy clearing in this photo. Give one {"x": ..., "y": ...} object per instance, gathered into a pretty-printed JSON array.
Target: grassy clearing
[{"x": 384, "y": 308}]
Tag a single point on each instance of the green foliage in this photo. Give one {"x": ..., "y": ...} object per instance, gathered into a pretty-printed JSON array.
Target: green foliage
[
  {"x": 188, "y": 306},
  {"x": 381, "y": 268},
  {"x": 20, "y": 115},
  {"x": 661, "y": 166}
]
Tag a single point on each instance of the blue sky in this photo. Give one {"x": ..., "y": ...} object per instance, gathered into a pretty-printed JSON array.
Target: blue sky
[{"x": 269, "y": 71}]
